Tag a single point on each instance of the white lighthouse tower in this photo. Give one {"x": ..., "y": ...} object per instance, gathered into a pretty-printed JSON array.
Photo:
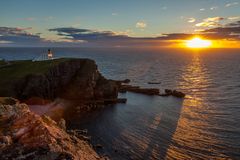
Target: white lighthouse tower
[
  {"x": 50, "y": 54},
  {"x": 45, "y": 56}
]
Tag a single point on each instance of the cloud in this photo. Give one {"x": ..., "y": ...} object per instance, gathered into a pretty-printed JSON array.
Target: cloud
[
  {"x": 215, "y": 19},
  {"x": 22, "y": 37},
  {"x": 229, "y": 31},
  {"x": 214, "y": 8},
  {"x": 210, "y": 22},
  {"x": 114, "y": 14},
  {"x": 30, "y": 19},
  {"x": 207, "y": 24},
  {"x": 164, "y": 8},
  {"x": 48, "y": 18},
  {"x": 87, "y": 34},
  {"x": 231, "y": 4},
  {"x": 141, "y": 25},
  {"x": 18, "y": 35},
  {"x": 76, "y": 37},
  {"x": 191, "y": 20},
  {"x": 202, "y": 9},
  {"x": 107, "y": 38},
  {"x": 112, "y": 38},
  {"x": 233, "y": 18},
  {"x": 234, "y": 24}
]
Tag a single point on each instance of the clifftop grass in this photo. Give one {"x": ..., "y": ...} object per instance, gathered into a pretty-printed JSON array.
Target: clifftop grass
[
  {"x": 2, "y": 62},
  {"x": 15, "y": 70}
]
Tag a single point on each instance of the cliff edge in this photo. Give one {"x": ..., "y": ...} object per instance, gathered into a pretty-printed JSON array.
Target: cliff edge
[{"x": 75, "y": 79}]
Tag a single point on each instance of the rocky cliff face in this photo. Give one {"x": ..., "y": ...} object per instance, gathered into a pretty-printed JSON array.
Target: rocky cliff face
[
  {"x": 25, "y": 135},
  {"x": 75, "y": 79}
]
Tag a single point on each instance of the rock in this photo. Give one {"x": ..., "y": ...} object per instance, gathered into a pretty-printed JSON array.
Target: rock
[
  {"x": 83, "y": 131},
  {"x": 122, "y": 100},
  {"x": 174, "y": 93},
  {"x": 168, "y": 91},
  {"x": 126, "y": 81},
  {"x": 99, "y": 146},
  {"x": 164, "y": 95},
  {"x": 137, "y": 89},
  {"x": 25, "y": 135},
  {"x": 5, "y": 141},
  {"x": 84, "y": 138},
  {"x": 178, "y": 94},
  {"x": 120, "y": 82},
  {"x": 154, "y": 82},
  {"x": 62, "y": 124}
]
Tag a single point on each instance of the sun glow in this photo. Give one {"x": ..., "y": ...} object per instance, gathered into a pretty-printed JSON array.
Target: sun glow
[{"x": 198, "y": 43}]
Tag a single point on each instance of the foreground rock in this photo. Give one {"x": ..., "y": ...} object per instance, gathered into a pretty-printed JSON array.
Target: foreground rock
[{"x": 25, "y": 135}]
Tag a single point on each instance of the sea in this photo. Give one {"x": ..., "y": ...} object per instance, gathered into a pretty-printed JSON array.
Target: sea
[{"x": 203, "y": 125}]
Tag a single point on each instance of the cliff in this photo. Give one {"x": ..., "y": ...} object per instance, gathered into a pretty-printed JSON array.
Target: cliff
[
  {"x": 25, "y": 135},
  {"x": 75, "y": 79}
]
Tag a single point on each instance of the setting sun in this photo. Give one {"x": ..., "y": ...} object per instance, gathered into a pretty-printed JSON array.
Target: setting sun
[{"x": 198, "y": 43}]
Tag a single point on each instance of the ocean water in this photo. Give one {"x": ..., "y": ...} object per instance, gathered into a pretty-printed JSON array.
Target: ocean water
[{"x": 204, "y": 125}]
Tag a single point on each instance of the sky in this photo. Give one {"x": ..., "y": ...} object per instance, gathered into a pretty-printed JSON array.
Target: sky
[{"x": 117, "y": 23}]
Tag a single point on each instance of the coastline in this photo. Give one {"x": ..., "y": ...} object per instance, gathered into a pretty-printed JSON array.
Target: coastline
[
  {"x": 61, "y": 88},
  {"x": 43, "y": 83}
]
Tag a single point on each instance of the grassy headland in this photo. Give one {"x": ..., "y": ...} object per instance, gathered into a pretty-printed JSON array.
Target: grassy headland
[{"x": 12, "y": 72}]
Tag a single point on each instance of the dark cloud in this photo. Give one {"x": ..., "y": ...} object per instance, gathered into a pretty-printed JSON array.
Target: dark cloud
[
  {"x": 224, "y": 30},
  {"x": 229, "y": 31},
  {"x": 69, "y": 30},
  {"x": 175, "y": 36},
  {"x": 18, "y": 36},
  {"x": 11, "y": 36},
  {"x": 88, "y": 35},
  {"x": 234, "y": 24}
]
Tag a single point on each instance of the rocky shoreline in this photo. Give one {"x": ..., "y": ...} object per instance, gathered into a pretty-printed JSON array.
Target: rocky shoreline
[{"x": 27, "y": 135}]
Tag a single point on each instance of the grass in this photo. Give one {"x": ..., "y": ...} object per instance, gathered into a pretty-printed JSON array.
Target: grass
[
  {"x": 2, "y": 63},
  {"x": 10, "y": 74}
]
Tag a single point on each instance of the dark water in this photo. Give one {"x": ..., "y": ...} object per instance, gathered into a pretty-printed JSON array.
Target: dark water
[{"x": 205, "y": 125}]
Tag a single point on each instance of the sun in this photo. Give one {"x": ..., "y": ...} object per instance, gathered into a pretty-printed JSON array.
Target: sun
[{"x": 198, "y": 43}]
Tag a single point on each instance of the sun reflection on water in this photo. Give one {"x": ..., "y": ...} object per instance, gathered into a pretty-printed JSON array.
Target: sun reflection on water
[{"x": 192, "y": 137}]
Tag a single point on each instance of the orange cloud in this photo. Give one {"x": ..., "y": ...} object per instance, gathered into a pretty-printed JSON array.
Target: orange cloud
[{"x": 210, "y": 22}]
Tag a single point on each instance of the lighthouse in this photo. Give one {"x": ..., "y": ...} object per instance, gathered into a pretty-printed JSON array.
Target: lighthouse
[{"x": 50, "y": 54}]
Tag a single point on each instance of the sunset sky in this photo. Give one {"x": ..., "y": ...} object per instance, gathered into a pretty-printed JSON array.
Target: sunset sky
[{"x": 125, "y": 23}]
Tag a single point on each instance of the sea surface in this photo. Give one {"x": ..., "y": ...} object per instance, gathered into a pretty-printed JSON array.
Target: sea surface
[{"x": 204, "y": 125}]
